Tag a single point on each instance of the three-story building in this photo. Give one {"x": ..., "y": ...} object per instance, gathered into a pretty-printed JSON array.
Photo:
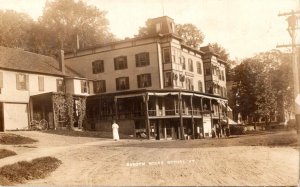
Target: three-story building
[{"x": 155, "y": 85}]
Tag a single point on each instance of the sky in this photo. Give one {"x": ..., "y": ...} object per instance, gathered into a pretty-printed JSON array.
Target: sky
[{"x": 243, "y": 27}]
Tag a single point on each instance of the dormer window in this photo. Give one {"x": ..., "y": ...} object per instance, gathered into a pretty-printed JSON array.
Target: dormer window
[{"x": 158, "y": 27}]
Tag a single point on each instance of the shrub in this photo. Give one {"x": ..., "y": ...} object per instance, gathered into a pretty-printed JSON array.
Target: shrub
[{"x": 22, "y": 171}]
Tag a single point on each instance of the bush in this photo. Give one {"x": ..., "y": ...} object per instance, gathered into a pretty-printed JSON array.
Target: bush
[
  {"x": 22, "y": 171},
  {"x": 12, "y": 139},
  {"x": 237, "y": 130},
  {"x": 6, "y": 153}
]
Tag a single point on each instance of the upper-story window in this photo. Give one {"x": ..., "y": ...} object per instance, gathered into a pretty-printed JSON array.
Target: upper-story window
[
  {"x": 142, "y": 59},
  {"x": 1, "y": 80},
  {"x": 60, "y": 85},
  {"x": 144, "y": 80},
  {"x": 84, "y": 86},
  {"x": 189, "y": 84},
  {"x": 183, "y": 63},
  {"x": 120, "y": 62},
  {"x": 99, "y": 86},
  {"x": 158, "y": 27},
  {"x": 166, "y": 55},
  {"x": 200, "y": 86},
  {"x": 122, "y": 83},
  {"x": 207, "y": 71},
  {"x": 223, "y": 76},
  {"x": 168, "y": 79},
  {"x": 41, "y": 83},
  {"x": 199, "y": 68},
  {"x": 98, "y": 66},
  {"x": 22, "y": 81},
  {"x": 190, "y": 65}
]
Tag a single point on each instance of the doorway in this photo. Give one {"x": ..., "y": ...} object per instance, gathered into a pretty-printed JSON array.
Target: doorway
[{"x": 1, "y": 118}]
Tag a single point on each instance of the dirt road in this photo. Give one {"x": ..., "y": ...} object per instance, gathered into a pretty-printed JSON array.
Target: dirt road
[{"x": 94, "y": 161}]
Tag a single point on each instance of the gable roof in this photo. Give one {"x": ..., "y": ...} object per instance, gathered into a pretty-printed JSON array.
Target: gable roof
[{"x": 20, "y": 60}]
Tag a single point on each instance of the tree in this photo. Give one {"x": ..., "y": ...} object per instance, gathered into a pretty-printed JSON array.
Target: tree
[
  {"x": 67, "y": 20},
  {"x": 263, "y": 86},
  {"x": 190, "y": 34},
  {"x": 14, "y": 29},
  {"x": 220, "y": 51}
]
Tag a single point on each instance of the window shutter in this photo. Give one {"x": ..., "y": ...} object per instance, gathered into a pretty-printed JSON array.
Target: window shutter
[
  {"x": 17, "y": 82},
  {"x": 117, "y": 83},
  {"x": 1, "y": 79},
  {"x": 147, "y": 59},
  {"x": 41, "y": 83},
  {"x": 82, "y": 86},
  {"x": 139, "y": 80},
  {"x": 149, "y": 80},
  {"x": 27, "y": 82},
  {"x": 88, "y": 87},
  {"x": 137, "y": 60},
  {"x": 125, "y": 60},
  {"x": 127, "y": 82}
]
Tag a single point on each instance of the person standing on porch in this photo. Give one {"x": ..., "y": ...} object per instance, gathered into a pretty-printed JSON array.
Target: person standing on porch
[{"x": 115, "y": 128}]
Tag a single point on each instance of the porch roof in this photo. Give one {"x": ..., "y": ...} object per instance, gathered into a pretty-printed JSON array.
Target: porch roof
[{"x": 161, "y": 92}]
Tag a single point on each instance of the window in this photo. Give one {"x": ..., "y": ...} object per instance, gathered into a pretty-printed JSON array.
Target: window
[
  {"x": 122, "y": 83},
  {"x": 200, "y": 86},
  {"x": 166, "y": 55},
  {"x": 1, "y": 80},
  {"x": 207, "y": 71},
  {"x": 120, "y": 62},
  {"x": 41, "y": 83},
  {"x": 84, "y": 86},
  {"x": 183, "y": 63},
  {"x": 99, "y": 86},
  {"x": 158, "y": 27},
  {"x": 60, "y": 85},
  {"x": 168, "y": 79},
  {"x": 189, "y": 84},
  {"x": 142, "y": 59},
  {"x": 190, "y": 65},
  {"x": 22, "y": 82},
  {"x": 223, "y": 76},
  {"x": 144, "y": 80},
  {"x": 98, "y": 66},
  {"x": 199, "y": 68}
]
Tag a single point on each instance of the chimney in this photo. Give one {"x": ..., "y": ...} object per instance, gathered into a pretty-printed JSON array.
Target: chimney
[{"x": 62, "y": 62}]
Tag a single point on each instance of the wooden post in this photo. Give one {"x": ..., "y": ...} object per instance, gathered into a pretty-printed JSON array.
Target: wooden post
[
  {"x": 165, "y": 129},
  {"x": 147, "y": 115},
  {"x": 180, "y": 116},
  {"x": 193, "y": 122},
  {"x": 116, "y": 108},
  {"x": 211, "y": 119}
]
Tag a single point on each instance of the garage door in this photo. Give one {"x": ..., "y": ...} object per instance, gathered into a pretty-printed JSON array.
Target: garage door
[{"x": 15, "y": 116}]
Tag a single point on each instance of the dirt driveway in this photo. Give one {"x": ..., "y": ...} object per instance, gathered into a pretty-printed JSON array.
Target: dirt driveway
[{"x": 94, "y": 161}]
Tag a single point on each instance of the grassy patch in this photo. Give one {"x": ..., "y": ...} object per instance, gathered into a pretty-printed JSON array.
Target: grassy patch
[
  {"x": 13, "y": 139},
  {"x": 270, "y": 139},
  {"x": 93, "y": 134},
  {"x": 6, "y": 153},
  {"x": 20, "y": 172}
]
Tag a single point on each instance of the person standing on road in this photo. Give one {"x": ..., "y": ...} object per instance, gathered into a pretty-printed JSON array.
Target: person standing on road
[{"x": 115, "y": 128}]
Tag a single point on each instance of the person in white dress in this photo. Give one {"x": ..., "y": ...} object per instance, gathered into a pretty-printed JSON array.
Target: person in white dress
[{"x": 115, "y": 128}]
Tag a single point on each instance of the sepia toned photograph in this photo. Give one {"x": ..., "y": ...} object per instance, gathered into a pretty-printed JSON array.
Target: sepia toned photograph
[{"x": 149, "y": 92}]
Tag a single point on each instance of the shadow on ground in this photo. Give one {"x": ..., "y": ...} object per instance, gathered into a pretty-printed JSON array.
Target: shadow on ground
[
  {"x": 271, "y": 139},
  {"x": 92, "y": 134}
]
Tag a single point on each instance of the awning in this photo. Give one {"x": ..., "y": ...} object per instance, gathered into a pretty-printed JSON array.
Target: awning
[
  {"x": 230, "y": 121},
  {"x": 127, "y": 96}
]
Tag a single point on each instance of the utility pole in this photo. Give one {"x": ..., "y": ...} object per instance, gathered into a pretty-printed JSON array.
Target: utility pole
[{"x": 292, "y": 20}]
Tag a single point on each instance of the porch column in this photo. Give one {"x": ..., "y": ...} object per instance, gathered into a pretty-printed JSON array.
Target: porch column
[
  {"x": 219, "y": 111},
  {"x": 31, "y": 110},
  {"x": 201, "y": 111},
  {"x": 116, "y": 108},
  {"x": 211, "y": 119},
  {"x": 146, "y": 100},
  {"x": 165, "y": 129},
  {"x": 193, "y": 122},
  {"x": 180, "y": 116}
]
